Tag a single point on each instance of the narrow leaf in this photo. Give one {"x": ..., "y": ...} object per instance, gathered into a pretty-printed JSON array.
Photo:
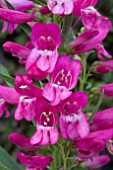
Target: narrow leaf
[
  {"x": 39, "y": 2},
  {"x": 3, "y": 168},
  {"x": 26, "y": 28},
  {"x": 7, "y": 161},
  {"x": 9, "y": 5},
  {"x": 6, "y": 76}
]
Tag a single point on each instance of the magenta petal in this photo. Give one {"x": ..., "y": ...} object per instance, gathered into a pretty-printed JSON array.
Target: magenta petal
[
  {"x": 108, "y": 90},
  {"x": 15, "y": 17},
  {"x": 9, "y": 95},
  {"x": 21, "y": 141},
  {"x": 17, "y": 50},
  {"x": 71, "y": 130},
  {"x": 37, "y": 137},
  {"x": 22, "y": 5},
  {"x": 3, "y": 108},
  {"x": 55, "y": 93},
  {"x": 34, "y": 162},
  {"x": 61, "y": 7},
  {"x": 98, "y": 162},
  {"x": 31, "y": 58},
  {"x": 106, "y": 114},
  {"x": 45, "y": 138},
  {"x": 83, "y": 126},
  {"x": 63, "y": 128},
  {"x": 42, "y": 34},
  {"x": 53, "y": 135},
  {"x": 46, "y": 60},
  {"x": 5, "y": 26},
  {"x": 102, "y": 52}
]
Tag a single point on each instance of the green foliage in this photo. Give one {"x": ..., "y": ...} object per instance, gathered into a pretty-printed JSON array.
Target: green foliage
[
  {"x": 5, "y": 76},
  {"x": 6, "y": 161}
]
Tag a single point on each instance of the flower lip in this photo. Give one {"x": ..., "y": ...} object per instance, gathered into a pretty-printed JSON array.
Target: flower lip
[
  {"x": 47, "y": 119},
  {"x": 63, "y": 78}
]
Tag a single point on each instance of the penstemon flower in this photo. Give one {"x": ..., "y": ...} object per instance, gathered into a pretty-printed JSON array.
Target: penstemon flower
[
  {"x": 63, "y": 78},
  {"x": 17, "y": 16},
  {"x": 46, "y": 121},
  {"x": 73, "y": 122}
]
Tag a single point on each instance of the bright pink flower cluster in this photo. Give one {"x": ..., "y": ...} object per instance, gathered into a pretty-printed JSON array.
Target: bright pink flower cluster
[{"x": 55, "y": 108}]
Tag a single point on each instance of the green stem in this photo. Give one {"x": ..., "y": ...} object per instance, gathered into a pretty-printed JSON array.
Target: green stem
[
  {"x": 64, "y": 157},
  {"x": 83, "y": 79},
  {"x": 65, "y": 30},
  {"x": 97, "y": 106}
]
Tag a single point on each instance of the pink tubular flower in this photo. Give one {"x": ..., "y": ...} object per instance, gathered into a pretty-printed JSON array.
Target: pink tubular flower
[
  {"x": 61, "y": 7},
  {"x": 103, "y": 120},
  {"x": 29, "y": 95},
  {"x": 46, "y": 120},
  {"x": 104, "y": 67},
  {"x": 63, "y": 78},
  {"x": 108, "y": 90},
  {"x": 22, "y": 5},
  {"x": 97, "y": 28},
  {"x": 42, "y": 59},
  {"x": 17, "y": 50},
  {"x": 17, "y": 16},
  {"x": 93, "y": 144},
  {"x": 80, "y": 4},
  {"x": 73, "y": 122},
  {"x": 25, "y": 96},
  {"x": 34, "y": 162},
  {"x": 22, "y": 142},
  {"x": 97, "y": 162}
]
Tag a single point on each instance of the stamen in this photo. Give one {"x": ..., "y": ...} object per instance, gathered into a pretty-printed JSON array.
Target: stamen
[{"x": 24, "y": 87}]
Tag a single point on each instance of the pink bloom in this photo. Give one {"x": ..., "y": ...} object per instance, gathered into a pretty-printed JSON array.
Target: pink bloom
[
  {"x": 97, "y": 162},
  {"x": 34, "y": 162},
  {"x": 93, "y": 144},
  {"x": 22, "y": 142},
  {"x": 29, "y": 95},
  {"x": 103, "y": 120},
  {"x": 97, "y": 28},
  {"x": 73, "y": 122},
  {"x": 104, "y": 67},
  {"x": 17, "y": 50},
  {"x": 22, "y": 5},
  {"x": 61, "y": 7},
  {"x": 46, "y": 121},
  {"x": 17, "y": 16},
  {"x": 108, "y": 90},
  {"x": 80, "y": 4},
  {"x": 41, "y": 55},
  {"x": 25, "y": 96},
  {"x": 42, "y": 59},
  {"x": 63, "y": 78}
]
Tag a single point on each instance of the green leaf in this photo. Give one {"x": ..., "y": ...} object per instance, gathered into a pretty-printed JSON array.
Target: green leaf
[
  {"x": 9, "y": 5},
  {"x": 3, "y": 168},
  {"x": 39, "y": 2},
  {"x": 6, "y": 76},
  {"x": 7, "y": 161},
  {"x": 26, "y": 28}
]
